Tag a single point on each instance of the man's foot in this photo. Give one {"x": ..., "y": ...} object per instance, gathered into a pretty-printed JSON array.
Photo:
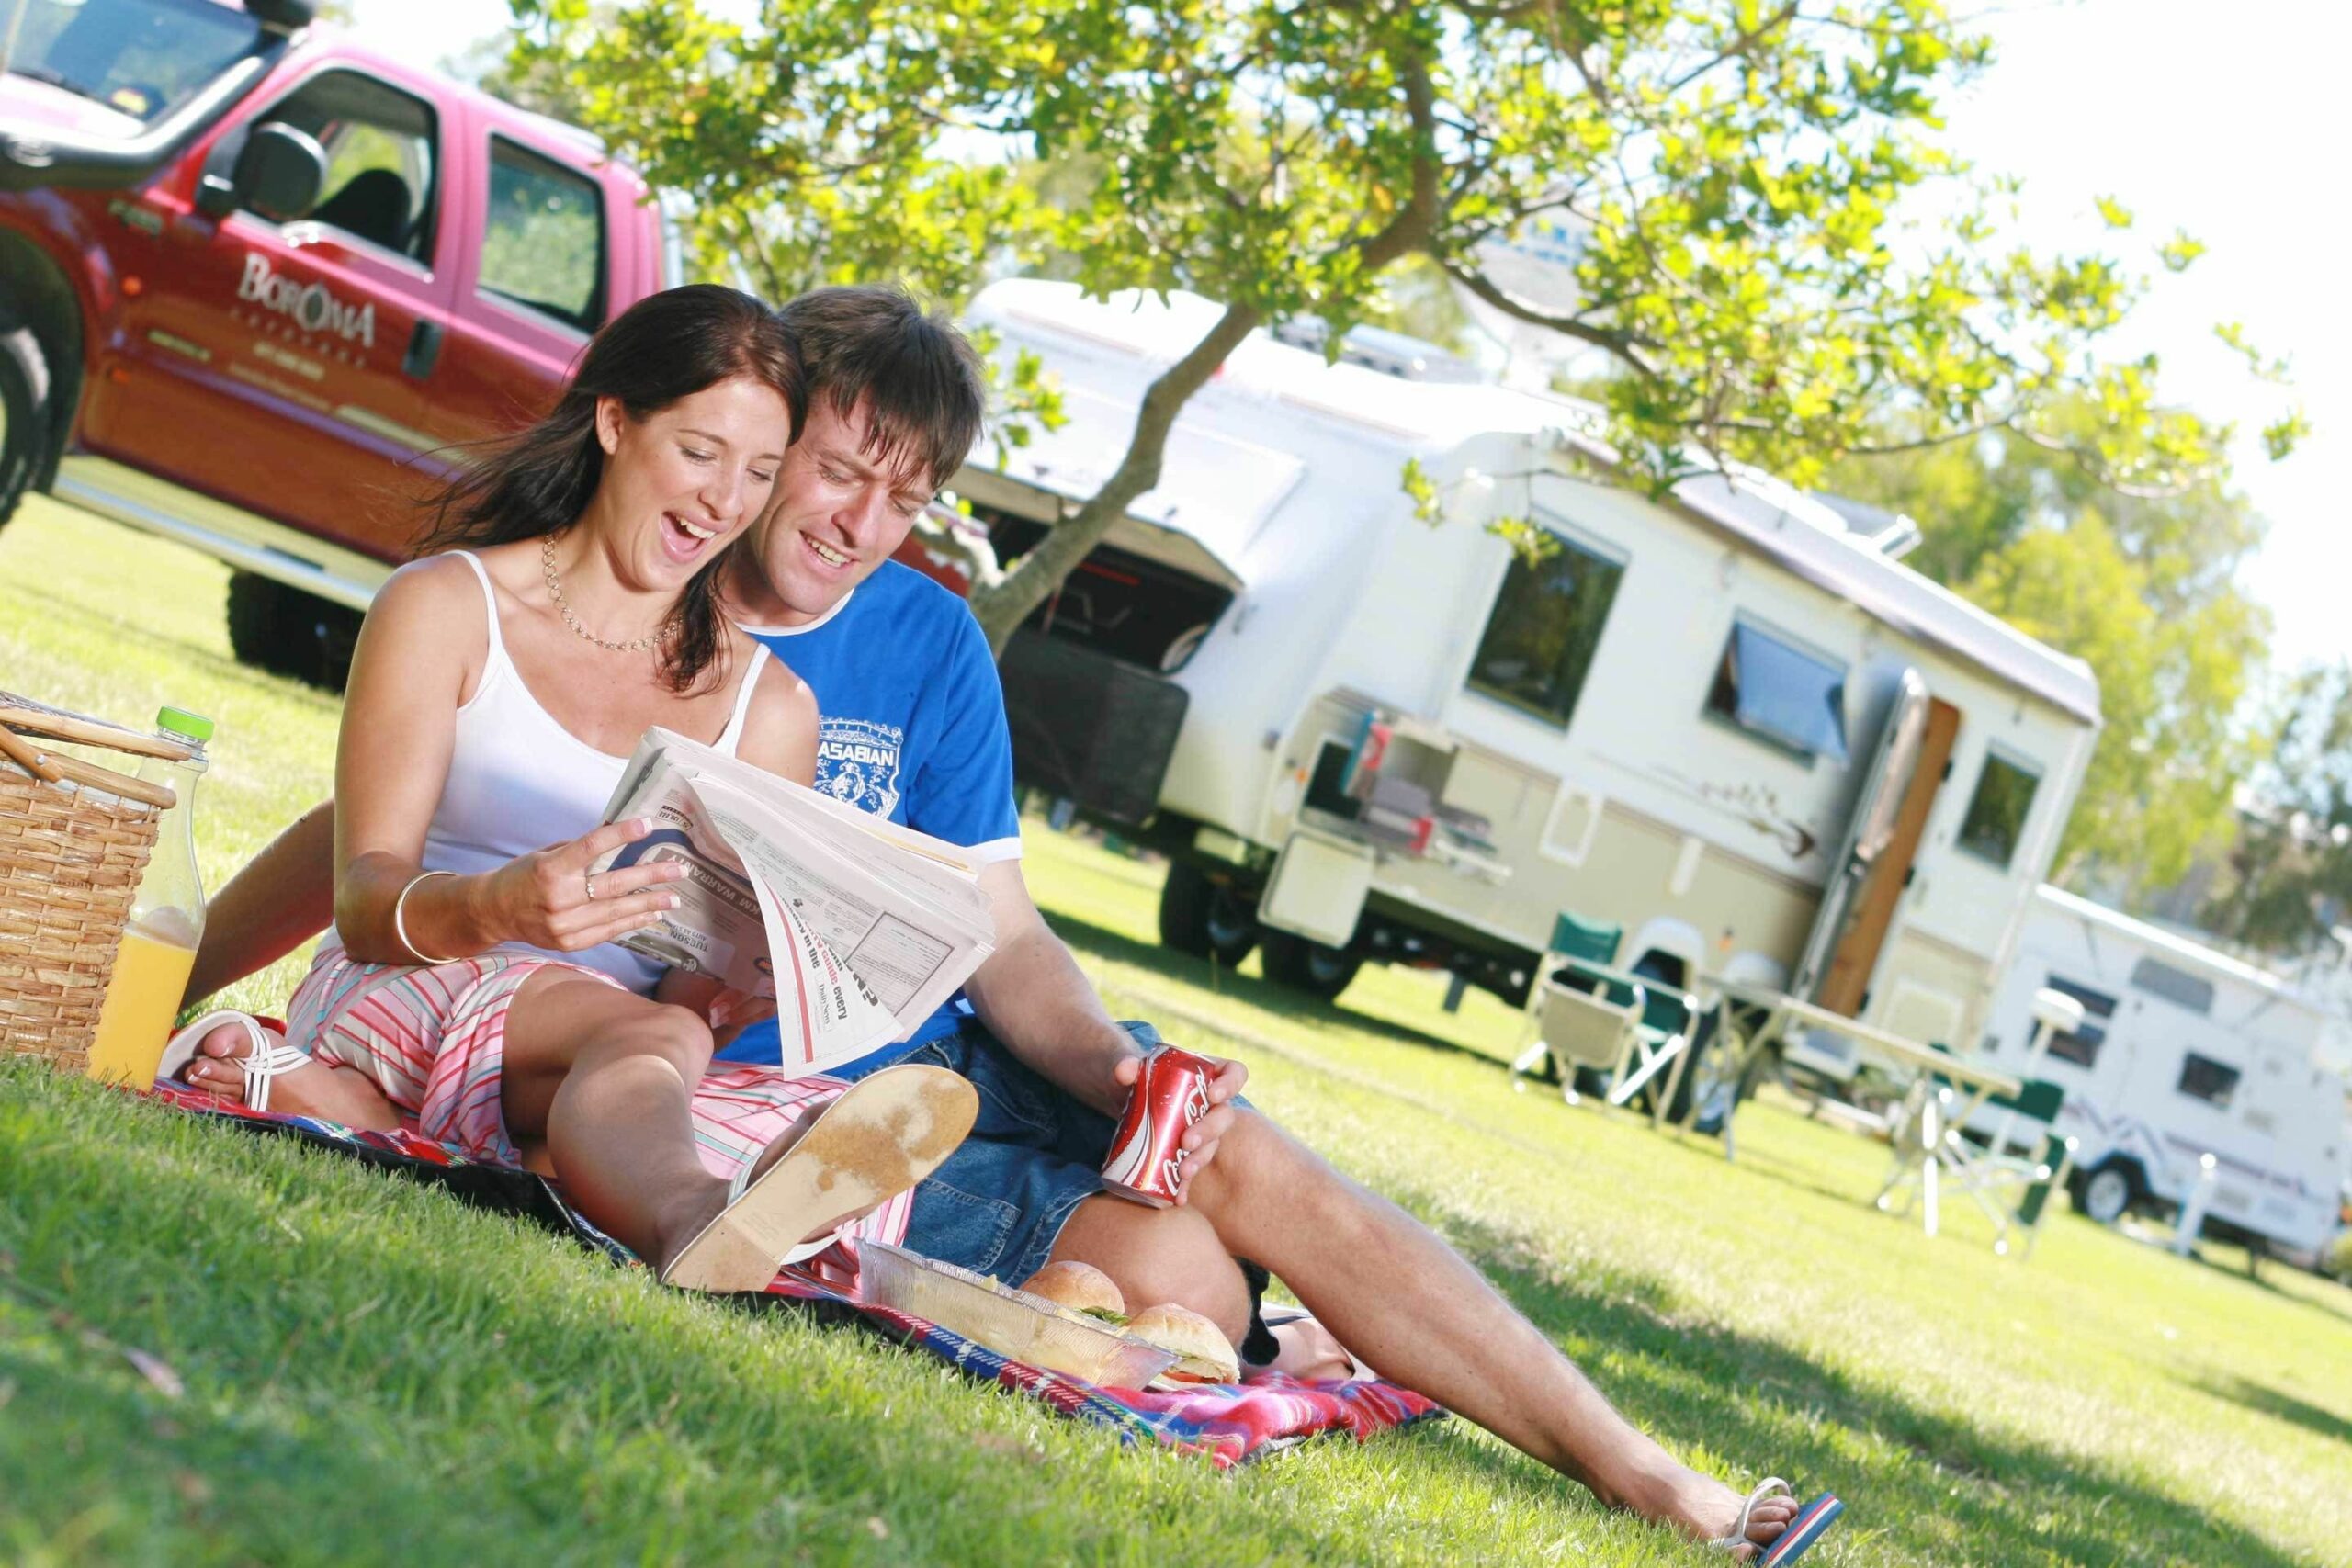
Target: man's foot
[
  {"x": 1705, "y": 1509},
  {"x": 322, "y": 1090}
]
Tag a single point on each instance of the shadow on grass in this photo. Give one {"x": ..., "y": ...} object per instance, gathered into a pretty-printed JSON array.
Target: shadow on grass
[
  {"x": 1963, "y": 1494},
  {"x": 1960, "y": 1493},
  {"x": 1199, "y": 975},
  {"x": 2273, "y": 1403},
  {"x": 212, "y": 664}
]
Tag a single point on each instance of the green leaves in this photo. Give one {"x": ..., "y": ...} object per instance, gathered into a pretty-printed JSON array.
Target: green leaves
[{"x": 1767, "y": 244}]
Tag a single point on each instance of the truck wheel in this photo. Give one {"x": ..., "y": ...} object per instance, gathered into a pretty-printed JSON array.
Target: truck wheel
[
  {"x": 1204, "y": 918},
  {"x": 274, "y": 627},
  {"x": 1303, "y": 965},
  {"x": 23, "y": 416},
  {"x": 2107, "y": 1194}
]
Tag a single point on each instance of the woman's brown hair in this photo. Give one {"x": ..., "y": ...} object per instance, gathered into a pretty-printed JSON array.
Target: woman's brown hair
[{"x": 537, "y": 481}]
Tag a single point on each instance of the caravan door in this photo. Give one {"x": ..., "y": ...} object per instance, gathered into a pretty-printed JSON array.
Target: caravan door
[{"x": 1882, "y": 840}]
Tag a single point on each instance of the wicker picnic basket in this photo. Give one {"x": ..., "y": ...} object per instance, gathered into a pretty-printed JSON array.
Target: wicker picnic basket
[{"x": 75, "y": 837}]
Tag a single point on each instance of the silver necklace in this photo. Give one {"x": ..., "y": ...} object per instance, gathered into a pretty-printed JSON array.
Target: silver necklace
[{"x": 555, "y": 591}]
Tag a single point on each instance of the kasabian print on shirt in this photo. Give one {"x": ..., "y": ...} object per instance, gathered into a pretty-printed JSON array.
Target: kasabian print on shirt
[{"x": 858, "y": 763}]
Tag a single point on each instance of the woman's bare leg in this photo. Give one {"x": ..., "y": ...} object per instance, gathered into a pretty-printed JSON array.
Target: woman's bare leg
[{"x": 605, "y": 1081}]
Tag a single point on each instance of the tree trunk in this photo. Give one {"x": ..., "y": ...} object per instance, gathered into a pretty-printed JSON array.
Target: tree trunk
[{"x": 1003, "y": 607}]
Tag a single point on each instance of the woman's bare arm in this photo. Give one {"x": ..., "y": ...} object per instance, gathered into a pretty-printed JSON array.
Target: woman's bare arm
[{"x": 283, "y": 898}]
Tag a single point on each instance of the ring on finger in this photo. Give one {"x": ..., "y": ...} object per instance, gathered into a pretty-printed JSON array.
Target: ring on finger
[{"x": 589, "y": 879}]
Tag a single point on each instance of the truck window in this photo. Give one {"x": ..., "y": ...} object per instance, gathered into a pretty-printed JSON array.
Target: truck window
[
  {"x": 143, "y": 58},
  {"x": 1784, "y": 695},
  {"x": 1546, "y": 623},
  {"x": 2080, "y": 1046},
  {"x": 543, "y": 238},
  {"x": 2178, "y": 987},
  {"x": 2201, "y": 1077},
  {"x": 382, "y": 148},
  {"x": 1996, "y": 812}
]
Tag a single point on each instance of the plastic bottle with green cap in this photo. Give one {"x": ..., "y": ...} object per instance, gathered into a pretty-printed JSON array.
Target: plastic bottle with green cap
[{"x": 151, "y": 967}]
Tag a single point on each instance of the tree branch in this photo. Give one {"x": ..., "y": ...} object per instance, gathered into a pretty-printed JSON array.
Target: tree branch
[
  {"x": 1617, "y": 343},
  {"x": 1002, "y": 608}
]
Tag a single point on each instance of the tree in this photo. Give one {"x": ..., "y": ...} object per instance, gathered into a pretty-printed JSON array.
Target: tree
[
  {"x": 2288, "y": 875},
  {"x": 2142, "y": 587},
  {"x": 1745, "y": 178}
]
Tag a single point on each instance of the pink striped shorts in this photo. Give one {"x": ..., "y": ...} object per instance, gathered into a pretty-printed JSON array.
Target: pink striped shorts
[{"x": 434, "y": 1038}]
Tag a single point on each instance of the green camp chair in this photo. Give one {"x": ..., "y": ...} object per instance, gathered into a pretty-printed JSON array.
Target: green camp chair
[
  {"x": 1625, "y": 1029},
  {"x": 1594, "y": 942},
  {"x": 2012, "y": 1188}
]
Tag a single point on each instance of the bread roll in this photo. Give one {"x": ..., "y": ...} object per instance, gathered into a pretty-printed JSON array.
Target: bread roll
[
  {"x": 1207, "y": 1354},
  {"x": 1081, "y": 1287}
]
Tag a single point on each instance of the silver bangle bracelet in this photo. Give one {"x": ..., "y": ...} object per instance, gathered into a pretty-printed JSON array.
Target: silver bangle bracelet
[{"x": 400, "y": 924}]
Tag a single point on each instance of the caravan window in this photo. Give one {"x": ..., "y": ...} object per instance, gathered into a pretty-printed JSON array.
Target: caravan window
[
  {"x": 1546, "y": 623},
  {"x": 2201, "y": 1077},
  {"x": 1996, "y": 812},
  {"x": 2080, "y": 1046},
  {"x": 2178, "y": 987},
  {"x": 1780, "y": 692}
]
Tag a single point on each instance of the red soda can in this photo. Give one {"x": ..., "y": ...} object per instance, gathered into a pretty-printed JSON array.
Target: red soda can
[{"x": 1147, "y": 1160}]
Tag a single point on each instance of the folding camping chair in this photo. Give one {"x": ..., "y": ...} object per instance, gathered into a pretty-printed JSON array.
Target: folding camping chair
[
  {"x": 2032, "y": 1177},
  {"x": 2013, "y": 1189},
  {"x": 1590, "y": 941}
]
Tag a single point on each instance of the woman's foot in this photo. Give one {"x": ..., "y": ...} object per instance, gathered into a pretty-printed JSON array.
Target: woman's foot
[
  {"x": 878, "y": 1138},
  {"x": 321, "y": 1089}
]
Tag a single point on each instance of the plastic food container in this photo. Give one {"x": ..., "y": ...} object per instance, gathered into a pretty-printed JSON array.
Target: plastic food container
[{"x": 1012, "y": 1323}]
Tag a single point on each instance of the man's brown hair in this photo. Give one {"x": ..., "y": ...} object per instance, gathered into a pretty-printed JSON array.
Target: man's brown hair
[{"x": 917, "y": 377}]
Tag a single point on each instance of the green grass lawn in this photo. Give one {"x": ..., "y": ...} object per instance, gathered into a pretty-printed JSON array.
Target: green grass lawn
[{"x": 341, "y": 1367}]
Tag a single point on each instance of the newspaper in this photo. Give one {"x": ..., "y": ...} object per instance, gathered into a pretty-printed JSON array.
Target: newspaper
[{"x": 859, "y": 927}]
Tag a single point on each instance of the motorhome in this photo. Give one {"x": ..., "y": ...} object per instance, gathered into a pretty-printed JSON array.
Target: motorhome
[
  {"x": 1725, "y": 719},
  {"x": 2183, "y": 1052}
]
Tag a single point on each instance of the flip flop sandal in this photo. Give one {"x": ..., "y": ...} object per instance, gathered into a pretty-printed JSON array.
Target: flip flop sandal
[
  {"x": 1812, "y": 1522},
  {"x": 885, "y": 1134},
  {"x": 262, "y": 1061}
]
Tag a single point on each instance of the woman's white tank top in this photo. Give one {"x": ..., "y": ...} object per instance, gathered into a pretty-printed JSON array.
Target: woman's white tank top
[{"x": 519, "y": 781}]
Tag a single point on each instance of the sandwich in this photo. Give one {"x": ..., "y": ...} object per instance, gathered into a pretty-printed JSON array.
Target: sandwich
[
  {"x": 1082, "y": 1289},
  {"x": 1205, "y": 1355}
]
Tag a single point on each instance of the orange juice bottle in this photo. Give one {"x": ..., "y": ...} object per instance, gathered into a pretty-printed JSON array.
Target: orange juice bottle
[{"x": 151, "y": 967}]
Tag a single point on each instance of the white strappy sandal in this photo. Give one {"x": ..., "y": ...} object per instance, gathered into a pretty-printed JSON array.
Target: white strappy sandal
[
  {"x": 1811, "y": 1523},
  {"x": 262, "y": 1061}
]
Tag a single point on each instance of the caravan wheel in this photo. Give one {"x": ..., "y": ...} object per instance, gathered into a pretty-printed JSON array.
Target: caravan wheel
[
  {"x": 1309, "y": 966},
  {"x": 1205, "y": 919},
  {"x": 2107, "y": 1194}
]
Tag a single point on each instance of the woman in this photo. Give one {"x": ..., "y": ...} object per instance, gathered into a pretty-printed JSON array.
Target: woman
[{"x": 496, "y": 692}]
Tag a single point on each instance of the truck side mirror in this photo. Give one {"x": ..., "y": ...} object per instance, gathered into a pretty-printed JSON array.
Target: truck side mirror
[
  {"x": 283, "y": 16},
  {"x": 280, "y": 174}
]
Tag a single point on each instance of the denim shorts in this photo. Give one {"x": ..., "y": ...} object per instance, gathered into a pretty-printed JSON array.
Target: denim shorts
[{"x": 999, "y": 1203}]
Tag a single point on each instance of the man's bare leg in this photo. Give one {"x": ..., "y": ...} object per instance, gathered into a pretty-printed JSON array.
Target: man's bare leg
[
  {"x": 1156, "y": 1256},
  {"x": 1408, "y": 1304}
]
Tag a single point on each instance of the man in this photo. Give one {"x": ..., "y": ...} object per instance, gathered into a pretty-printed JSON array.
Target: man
[{"x": 914, "y": 729}]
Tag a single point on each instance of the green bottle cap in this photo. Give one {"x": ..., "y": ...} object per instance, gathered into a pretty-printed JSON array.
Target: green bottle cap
[{"x": 186, "y": 724}]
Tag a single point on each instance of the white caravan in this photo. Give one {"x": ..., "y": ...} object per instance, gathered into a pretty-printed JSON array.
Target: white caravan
[
  {"x": 2183, "y": 1052},
  {"x": 1727, "y": 721}
]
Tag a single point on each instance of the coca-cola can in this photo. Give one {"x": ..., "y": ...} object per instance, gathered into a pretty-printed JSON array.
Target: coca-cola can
[{"x": 1147, "y": 1160}]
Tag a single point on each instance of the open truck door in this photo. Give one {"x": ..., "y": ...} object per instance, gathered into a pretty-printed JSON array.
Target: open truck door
[{"x": 1883, "y": 834}]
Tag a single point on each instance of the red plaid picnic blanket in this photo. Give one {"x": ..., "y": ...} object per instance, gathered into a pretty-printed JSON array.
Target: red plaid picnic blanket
[{"x": 1227, "y": 1424}]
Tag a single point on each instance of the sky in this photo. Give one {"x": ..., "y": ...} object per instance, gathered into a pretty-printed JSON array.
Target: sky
[{"x": 2219, "y": 120}]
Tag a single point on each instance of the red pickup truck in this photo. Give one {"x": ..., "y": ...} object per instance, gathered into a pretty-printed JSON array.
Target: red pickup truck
[{"x": 259, "y": 287}]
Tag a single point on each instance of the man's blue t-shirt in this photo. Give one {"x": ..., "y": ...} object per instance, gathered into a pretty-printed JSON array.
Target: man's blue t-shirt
[{"x": 910, "y": 726}]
